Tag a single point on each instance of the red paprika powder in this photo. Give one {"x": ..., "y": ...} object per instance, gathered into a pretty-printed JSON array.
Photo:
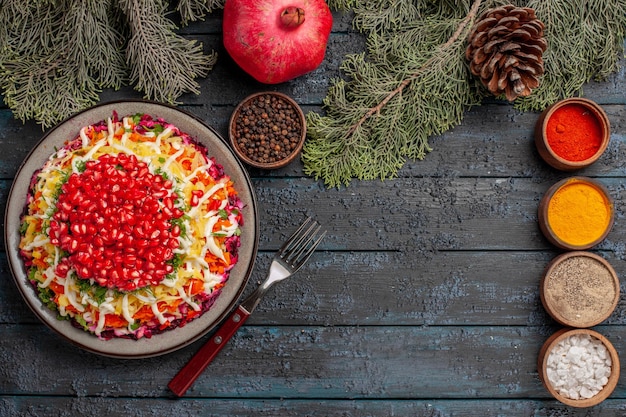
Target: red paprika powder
[{"x": 574, "y": 132}]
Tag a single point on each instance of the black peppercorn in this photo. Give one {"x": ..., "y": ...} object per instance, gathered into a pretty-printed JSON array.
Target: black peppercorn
[{"x": 267, "y": 128}]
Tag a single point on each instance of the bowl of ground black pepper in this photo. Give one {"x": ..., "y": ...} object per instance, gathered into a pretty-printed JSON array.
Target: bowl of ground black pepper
[
  {"x": 267, "y": 130},
  {"x": 579, "y": 289}
]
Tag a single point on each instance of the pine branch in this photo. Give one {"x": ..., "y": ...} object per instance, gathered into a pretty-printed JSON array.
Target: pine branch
[
  {"x": 393, "y": 102},
  {"x": 406, "y": 82},
  {"x": 43, "y": 72},
  {"x": 93, "y": 43},
  {"x": 194, "y": 10},
  {"x": 57, "y": 55},
  {"x": 408, "y": 87},
  {"x": 44, "y": 88},
  {"x": 164, "y": 65},
  {"x": 585, "y": 42}
]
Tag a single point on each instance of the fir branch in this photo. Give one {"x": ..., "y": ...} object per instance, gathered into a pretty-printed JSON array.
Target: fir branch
[
  {"x": 392, "y": 104},
  {"x": 57, "y": 55},
  {"x": 44, "y": 88},
  {"x": 343, "y": 5},
  {"x": 194, "y": 10},
  {"x": 407, "y": 81},
  {"x": 585, "y": 41},
  {"x": 407, "y": 88},
  {"x": 93, "y": 44},
  {"x": 44, "y": 71},
  {"x": 163, "y": 64}
]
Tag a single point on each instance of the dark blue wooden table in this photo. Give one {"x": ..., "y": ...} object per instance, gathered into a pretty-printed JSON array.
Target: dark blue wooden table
[{"x": 423, "y": 300}]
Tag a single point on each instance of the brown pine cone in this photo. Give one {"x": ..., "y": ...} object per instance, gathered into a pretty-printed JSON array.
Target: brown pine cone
[{"x": 505, "y": 50}]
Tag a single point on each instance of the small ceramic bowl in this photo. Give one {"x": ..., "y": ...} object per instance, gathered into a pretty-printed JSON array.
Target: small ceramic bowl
[
  {"x": 586, "y": 139},
  {"x": 545, "y": 366},
  {"x": 579, "y": 289},
  {"x": 576, "y": 226},
  {"x": 267, "y": 130}
]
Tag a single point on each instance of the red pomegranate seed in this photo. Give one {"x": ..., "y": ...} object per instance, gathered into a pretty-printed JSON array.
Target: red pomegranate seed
[
  {"x": 160, "y": 194},
  {"x": 62, "y": 269},
  {"x": 115, "y": 221},
  {"x": 195, "y": 197}
]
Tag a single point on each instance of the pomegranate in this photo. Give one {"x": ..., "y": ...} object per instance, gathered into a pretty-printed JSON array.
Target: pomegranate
[{"x": 276, "y": 40}]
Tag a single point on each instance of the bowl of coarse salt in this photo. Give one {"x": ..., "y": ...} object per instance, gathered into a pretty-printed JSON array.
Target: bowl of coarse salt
[{"x": 579, "y": 367}]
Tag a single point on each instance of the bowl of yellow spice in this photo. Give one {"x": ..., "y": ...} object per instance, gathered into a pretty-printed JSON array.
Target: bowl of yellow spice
[{"x": 576, "y": 213}]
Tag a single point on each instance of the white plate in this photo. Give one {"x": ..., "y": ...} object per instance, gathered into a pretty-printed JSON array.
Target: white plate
[{"x": 170, "y": 340}]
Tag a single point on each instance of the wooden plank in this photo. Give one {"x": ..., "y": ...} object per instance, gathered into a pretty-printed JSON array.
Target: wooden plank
[
  {"x": 384, "y": 288},
  {"x": 407, "y": 214},
  {"x": 387, "y": 288},
  {"x": 477, "y": 147},
  {"x": 423, "y": 214},
  {"x": 472, "y": 149},
  {"x": 241, "y": 407},
  {"x": 422, "y": 301},
  {"x": 370, "y": 362}
]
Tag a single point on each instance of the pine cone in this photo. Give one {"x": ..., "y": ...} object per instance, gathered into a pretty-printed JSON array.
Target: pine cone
[{"x": 505, "y": 50}]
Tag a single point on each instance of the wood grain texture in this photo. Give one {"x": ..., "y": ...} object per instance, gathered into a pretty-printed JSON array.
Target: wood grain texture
[
  {"x": 295, "y": 362},
  {"x": 423, "y": 299},
  {"x": 139, "y": 407}
]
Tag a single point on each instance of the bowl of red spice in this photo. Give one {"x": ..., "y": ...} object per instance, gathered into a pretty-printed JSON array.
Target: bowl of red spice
[
  {"x": 576, "y": 213},
  {"x": 579, "y": 289},
  {"x": 267, "y": 130},
  {"x": 572, "y": 134}
]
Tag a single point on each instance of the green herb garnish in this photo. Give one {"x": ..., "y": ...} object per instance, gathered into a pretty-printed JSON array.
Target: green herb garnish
[
  {"x": 81, "y": 165},
  {"x": 180, "y": 222},
  {"x": 23, "y": 228},
  {"x": 46, "y": 295}
]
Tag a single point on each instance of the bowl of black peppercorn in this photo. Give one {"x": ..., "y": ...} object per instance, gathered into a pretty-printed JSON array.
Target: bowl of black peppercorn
[{"x": 267, "y": 130}]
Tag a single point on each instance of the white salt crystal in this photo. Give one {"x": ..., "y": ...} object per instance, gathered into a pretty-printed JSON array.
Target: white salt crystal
[
  {"x": 585, "y": 393},
  {"x": 601, "y": 372},
  {"x": 578, "y": 367}
]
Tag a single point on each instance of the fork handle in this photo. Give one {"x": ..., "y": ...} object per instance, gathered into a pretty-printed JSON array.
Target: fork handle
[{"x": 198, "y": 363}]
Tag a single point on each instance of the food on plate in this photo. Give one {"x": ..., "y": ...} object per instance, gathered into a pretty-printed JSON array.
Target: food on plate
[{"x": 131, "y": 228}]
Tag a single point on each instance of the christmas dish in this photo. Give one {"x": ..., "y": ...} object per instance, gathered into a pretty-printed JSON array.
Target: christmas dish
[{"x": 132, "y": 228}]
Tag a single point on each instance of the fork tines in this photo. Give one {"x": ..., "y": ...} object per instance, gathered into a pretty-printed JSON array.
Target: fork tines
[{"x": 301, "y": 245}]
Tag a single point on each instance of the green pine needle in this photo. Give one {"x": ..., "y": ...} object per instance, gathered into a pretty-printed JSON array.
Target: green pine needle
[
  {"x": 163, "y": 64},
  {"x": 368, "y": 132},
  {"x": 194, "y": 10},
  {"x": 411, "y": 85},
  {"x": 585, "y": 42},
  {"x": 58, "y": 55}
]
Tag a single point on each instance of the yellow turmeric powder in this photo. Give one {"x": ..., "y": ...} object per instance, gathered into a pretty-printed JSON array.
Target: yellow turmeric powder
[{"x": 579, "y": 213}]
